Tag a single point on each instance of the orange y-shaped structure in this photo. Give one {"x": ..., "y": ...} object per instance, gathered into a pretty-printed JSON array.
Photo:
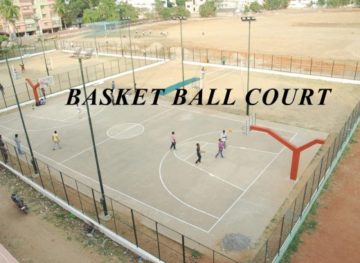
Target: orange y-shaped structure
[
  {"x": 295, "y": 150},
  {"x": 34, "y": 88}
]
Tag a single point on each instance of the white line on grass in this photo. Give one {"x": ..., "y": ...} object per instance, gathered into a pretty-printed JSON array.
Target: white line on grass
[{"x": 250, "y": 185}]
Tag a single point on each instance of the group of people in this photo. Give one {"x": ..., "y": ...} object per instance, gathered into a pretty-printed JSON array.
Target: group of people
[
  {"x": 4, "y": 151},
  {"x": 221, "y": 146}
]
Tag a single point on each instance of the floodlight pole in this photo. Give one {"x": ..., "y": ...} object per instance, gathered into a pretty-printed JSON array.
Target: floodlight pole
[
  {"x": 181, "y": 18},
  {"x": 248, "y": 19},
  {"x": 33, "y": 160},
  {"x": 121, "y": 42},
  {"x": 131, "y": 56},
  {"x": 103, "y": 202}
]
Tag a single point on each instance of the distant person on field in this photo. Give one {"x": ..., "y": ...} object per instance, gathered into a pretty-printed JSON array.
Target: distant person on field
[
  {"x": 223, "y": 137},
  {"x": 173, "y": 141},
  {"x": 198, "y": 153},
  {"x": 18, "y": 144},
  {"x": 78, "y": 108},
  {"x": 2, "y": 89},
  {"x": 220, "y": 149},
  {"x": 56, "y": 140},
  {"x": 3, "y": 150}
]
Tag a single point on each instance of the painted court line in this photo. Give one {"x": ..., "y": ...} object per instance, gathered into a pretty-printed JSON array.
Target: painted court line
[
  {"x": 116, "y": 191},
  {"x": 250, "y": 185},
  {"x": 110, "y": 138},
  {"x": 207, "y": 172},
  {"x": 174, "y": 196}
]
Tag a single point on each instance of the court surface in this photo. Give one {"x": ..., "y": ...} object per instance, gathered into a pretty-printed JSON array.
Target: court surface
[{"x": 239, "y": 193}]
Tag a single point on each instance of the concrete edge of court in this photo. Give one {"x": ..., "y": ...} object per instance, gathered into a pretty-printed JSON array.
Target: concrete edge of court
[
  {"x": 110, "y": 234},
  {"x": 28, "y": 55}
]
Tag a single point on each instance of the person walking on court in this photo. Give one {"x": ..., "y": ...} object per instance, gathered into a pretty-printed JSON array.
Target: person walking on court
[
  {"x": 198, "y": 153},
  {"x": 220, "y": 149},
  {"x": 223, "y": 137},
  {"x": 3, "y": 150},
  {"x": 56, "y": 140},
  {"x": 173, "y": 141},
  {"x": 18, "y": 144}
]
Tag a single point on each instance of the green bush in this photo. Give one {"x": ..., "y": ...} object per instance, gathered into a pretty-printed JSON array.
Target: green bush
[
  {"x": 208, "y": 9},
  {"x": 276, "y": 4},
  {"x": 255, "y": 7}
]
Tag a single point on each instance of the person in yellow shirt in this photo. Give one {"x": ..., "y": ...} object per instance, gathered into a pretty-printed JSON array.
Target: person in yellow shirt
[{"x": 56, "y": 140}]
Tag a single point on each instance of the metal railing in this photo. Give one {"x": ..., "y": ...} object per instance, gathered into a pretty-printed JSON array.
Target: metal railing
[{"x": 293, "y": 64}]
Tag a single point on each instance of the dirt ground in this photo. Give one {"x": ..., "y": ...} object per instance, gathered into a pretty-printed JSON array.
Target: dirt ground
[
  {"x": 337, "y": 235},
  {"x": 47, "y": 233},
  {"x": 319, "y": 33}
]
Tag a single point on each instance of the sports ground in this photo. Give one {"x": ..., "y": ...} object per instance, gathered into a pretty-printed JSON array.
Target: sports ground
[{"x": 237, "y": 194}]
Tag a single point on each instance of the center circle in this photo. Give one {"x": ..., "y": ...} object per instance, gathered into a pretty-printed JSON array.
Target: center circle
[{"x": 125, "y": 131}]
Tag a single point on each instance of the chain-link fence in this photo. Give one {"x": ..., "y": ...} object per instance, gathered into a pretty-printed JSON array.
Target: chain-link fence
[
  {"x": 293, "y": 64},
  {"x": 67, "y": 80},
  {"x": 17, "y": 51},
  {"x": 159, "y": 240}
]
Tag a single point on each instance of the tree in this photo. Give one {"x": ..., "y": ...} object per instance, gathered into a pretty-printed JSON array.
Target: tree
[
  {"x": 255, "y": 7},
  {"x": 106, "y": 10},
  {"x": 180, "y": 2},
  {"x": 60, "y": 9},
  {"x": 276, "y": 4},
  {"x": 127, "y": 10},
  {"x": 357, "y": 2},
  {"x": 9, "y": 12},
  {"x": 208, "y": 9},
  {"x": 321, "y": 2},
  {"x": 90, "y": 16},
  {"x": 180, "y": 11}
]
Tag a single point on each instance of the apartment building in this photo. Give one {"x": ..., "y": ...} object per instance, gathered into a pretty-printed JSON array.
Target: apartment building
[{"x": 34, "y": 16}]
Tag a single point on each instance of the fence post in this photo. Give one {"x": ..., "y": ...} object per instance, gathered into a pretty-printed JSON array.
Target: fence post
[
  {"x": 103, "y": 69},
  {"x": 97, "y": 214},
  {"x": 272, "y": 61},
  {"x": 52, "y": 183},
  {"x": 293, "y": 216},
  {"x": 17, "y": 156},
  {"x": 266, "y": 250},
  {"x": 237, "y": 59},
  {"x": 311, "y": 65},
  {"x": 5, "y": 99},
  {"x": 193, "y": 54},
  {"x": 157, "y": 240},
  {"x": 356, "y": 68},
  {"x": 321, "y": 165},
  {"x": 156, "y": 52},
  {"x": 62, "y": 180},
  {"x": 183, "y": 248},
  {"x": 254, "y": 60},
  {"x": 112, "y": 207},
  {"x": 27, "y": 90},
  {"x": 221, "y": 57},
  {"x": 281, "y": 232},
  {"x": 134, "y": 226},
  {"x": 332, "y": 68},
  {"x": 207, "y": 55},
  {"x": 77, "y": 189},
  {"x": 290, "y": 63},
  {"x": 302, "y": 206},
  {"x": 69, "y": 79}
]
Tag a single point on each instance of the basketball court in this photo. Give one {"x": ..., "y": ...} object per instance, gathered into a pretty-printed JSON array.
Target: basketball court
[{"x": 204, "y": 201}]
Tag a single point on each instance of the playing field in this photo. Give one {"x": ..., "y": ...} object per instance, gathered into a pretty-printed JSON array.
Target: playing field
[{"x": 204, "y": 201}]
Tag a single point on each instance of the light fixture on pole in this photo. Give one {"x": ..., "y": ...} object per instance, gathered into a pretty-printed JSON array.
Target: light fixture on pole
[
  {"x": 181, "y": 18},
  {"x": 248, "y": 19},
  {"x": 80, "y": 58},
  {"x": 131, "y": 56},
  {"x": 33, "y": 160}
]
